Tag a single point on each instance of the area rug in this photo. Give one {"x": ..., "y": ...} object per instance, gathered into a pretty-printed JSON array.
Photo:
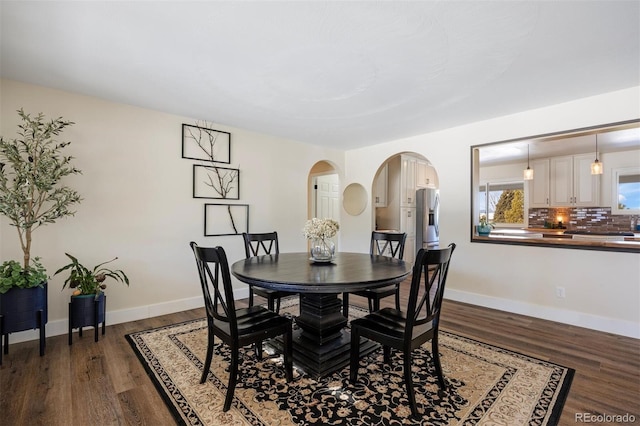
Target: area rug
[{"x": 486, "y": 384}]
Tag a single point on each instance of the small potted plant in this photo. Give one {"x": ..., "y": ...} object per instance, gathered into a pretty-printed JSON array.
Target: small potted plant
[
  {"x": 484, "y": 227},
  {"x": 88, "y": 301},
  {"x": 33, "y": 170}
]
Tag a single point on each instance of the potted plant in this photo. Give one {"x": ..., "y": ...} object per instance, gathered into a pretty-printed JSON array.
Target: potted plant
[
  {"x": 32, "y": 194},
  {"x": 88, "y": 301},
  {"x": 484, "y": 227}
]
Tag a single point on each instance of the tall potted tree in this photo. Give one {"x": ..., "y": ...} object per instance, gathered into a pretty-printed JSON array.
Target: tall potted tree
[{"x": 32, "y": 194}]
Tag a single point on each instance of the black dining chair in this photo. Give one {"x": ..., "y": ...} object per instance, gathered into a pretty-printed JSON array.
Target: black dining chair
[
  {"x": 235, "y": 327},
  {"x": 408, "y": 330},
  {"x": 257, "y": 244},
  {"x": 389, "y": 244}
]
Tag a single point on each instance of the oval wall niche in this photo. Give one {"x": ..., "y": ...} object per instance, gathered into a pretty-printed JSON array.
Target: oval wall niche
[{"x": 354, "y": 199}]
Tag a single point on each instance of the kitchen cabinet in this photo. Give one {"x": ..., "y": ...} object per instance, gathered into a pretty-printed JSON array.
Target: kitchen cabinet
[
  {"x": 408, "y": 225},
  {"x": 408, "y": 181},
  {"x": 380, "y": 186},
  {"x": 425, "y": 175},
  {"x": 539, "y": 185},
  {"x": 571, "y": 182}
]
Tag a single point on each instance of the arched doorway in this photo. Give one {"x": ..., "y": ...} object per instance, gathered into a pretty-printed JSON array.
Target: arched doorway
[
  {"x": 405, "y": 196},
  {"x": 324, "y": 191}
]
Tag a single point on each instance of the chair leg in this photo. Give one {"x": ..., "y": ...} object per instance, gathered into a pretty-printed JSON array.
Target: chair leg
[
  {"x": 258, "y": 348},
  {"x": 409, "y": 383},
  {"x": 207, "y": 360},
  {"x": 397, "y": 297},
  {"x": 250, "y": 296},
  {"x": 288, "y": 354},
  {"x": 435, "y": 353},
  {"x": 376, "y": 304},
  {"x": 345, "y": 305},
  {"x": 355, "y": 355},
  {"x": 270, "y": 304},
  {"x": 371, "y": 306},
  {"x": 277, "y": 311},
  {"x": 387, "y": 354},
  {"x": 233, "y": 378}
]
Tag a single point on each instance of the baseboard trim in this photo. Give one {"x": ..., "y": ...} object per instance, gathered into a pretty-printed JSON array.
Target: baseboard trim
[
  {"x": 594, "y": 322},
  {"x": 579, "y": 319}
]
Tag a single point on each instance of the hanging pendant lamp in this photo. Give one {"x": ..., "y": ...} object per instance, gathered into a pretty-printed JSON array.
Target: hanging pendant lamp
[
  {"x": 597, "y": 167},
  {"x": 528, "y": 172}
]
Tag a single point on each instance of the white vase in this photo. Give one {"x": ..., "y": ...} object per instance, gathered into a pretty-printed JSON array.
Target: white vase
[{"x": 322, "y": 249}]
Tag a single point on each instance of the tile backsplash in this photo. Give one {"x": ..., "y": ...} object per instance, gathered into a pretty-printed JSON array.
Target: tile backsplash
[{"x": 597, "y": 219}]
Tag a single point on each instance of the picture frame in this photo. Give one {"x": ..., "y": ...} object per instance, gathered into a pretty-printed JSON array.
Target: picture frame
[
  {"x": 204, "y": 144},
  {"x": 225, "y": 219},
  {"x": 214, "y": 182}
]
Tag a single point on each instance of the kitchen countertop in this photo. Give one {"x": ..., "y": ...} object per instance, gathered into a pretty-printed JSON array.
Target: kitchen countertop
[{"x": 557, "y": 238}]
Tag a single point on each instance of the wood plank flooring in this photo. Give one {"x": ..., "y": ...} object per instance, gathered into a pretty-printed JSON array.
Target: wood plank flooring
[{"x": 103, "y": 383}]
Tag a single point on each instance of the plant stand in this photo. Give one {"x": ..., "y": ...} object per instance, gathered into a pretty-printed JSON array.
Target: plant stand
[
  {"x": 23, "y": 309},
  {"x": 87, "y": 310}
]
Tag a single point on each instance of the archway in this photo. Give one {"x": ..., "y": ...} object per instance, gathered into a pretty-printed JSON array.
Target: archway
[{"x": 405, "y": 198}]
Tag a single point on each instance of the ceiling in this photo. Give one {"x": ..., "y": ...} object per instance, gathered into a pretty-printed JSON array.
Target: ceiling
[{"x": 341, "y": 74}]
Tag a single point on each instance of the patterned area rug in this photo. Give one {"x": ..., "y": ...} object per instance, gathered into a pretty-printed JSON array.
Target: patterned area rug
[{"x": 486, "y": 384}]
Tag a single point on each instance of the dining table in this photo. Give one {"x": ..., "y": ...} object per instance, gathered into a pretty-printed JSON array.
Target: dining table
[{"x": 321, "y": 340}]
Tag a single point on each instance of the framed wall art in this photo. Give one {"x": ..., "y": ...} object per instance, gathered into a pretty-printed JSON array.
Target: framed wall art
[
  {"x": 225, "y": 219},
  {"x": 216, "y": 182},
  {"x": 201, "y": 143}
]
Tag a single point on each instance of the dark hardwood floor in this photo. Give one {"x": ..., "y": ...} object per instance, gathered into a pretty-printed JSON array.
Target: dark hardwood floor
[{"x": 103, "y": 383}]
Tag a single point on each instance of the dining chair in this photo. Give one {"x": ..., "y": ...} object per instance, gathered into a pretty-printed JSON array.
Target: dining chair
[
  {"x": 389, "y": 244},
  {"x": 408, "y": 330},
  {"x": 257, "y": 244},
  {"x": 235, "y": 327}
]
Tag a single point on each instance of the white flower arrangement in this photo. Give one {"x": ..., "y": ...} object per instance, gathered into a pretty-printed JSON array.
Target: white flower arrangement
[{"x": 320, "y": 228}]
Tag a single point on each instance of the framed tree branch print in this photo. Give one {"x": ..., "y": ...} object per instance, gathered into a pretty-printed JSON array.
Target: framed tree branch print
[
  {"x": 225, "y": 219},
  {"x": 202, "y": 143},
  {"x": 216, "y": 182}
]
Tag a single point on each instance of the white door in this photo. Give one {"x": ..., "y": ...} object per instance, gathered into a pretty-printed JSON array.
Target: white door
[{"x": 327, "y": 198}]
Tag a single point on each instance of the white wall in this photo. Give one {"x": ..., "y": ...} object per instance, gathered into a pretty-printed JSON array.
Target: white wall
[
  {"x": 138, "y": 206},
  {"x": 602, "y": 288},
  {"x": 138, "y": 201}
]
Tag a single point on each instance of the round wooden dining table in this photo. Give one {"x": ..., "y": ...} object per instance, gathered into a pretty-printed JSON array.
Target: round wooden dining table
[{"x": 321, "y": 342}]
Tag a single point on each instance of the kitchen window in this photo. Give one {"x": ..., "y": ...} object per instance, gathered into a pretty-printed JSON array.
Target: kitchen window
[
  {"x": 503, "y": 202},
  {"x": 626, "y": 190}
]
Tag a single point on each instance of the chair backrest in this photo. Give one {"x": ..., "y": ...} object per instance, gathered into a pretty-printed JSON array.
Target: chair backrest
[
  {"x": 257, "y": 244},
  {"x": 218, "y": 298},
  {"x": 433, "y": 265},
  {"x": 389, "y": 244}
]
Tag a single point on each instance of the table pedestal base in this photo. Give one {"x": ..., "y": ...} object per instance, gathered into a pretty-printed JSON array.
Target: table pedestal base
[{"x": 321, "y": 345}]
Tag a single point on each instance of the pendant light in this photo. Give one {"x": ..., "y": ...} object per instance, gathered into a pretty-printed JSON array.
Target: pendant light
[
  {"x": 596, "y": 167},
  {"x": 528, "y": 173}
]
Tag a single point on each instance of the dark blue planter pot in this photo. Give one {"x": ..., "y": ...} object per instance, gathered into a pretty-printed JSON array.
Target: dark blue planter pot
[
  {"x": 23, "y": 309},
  {"x": 87, "y": 310}
]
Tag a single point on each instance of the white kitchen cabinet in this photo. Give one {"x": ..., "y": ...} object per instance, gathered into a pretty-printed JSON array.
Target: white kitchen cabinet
[
  {"x": 380, "y": 186},
  {"x": 408, "y": 181},
  {"x": 409, "y": 254},
  {"x": 408, "y": 225},
  {"x": 425, "y": 175},
  {"x": 571, "y": 182},
  {"x": 539, "y": 185}
]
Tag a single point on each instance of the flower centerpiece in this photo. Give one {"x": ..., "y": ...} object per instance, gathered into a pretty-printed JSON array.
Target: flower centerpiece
[
  {"x": 320, "y": 232},
  {"x": 484, "y": 227}
]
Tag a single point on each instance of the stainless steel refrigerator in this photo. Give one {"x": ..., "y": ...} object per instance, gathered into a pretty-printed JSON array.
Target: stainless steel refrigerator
[{"x": 427, "y": 218}]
